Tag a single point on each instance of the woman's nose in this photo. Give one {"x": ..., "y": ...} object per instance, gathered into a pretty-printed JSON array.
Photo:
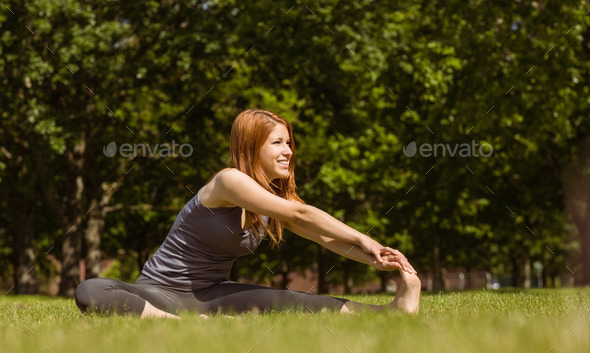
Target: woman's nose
[{"x": 287, "y": 151}]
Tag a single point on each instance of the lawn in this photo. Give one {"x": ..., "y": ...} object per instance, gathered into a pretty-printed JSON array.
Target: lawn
[{"x": 480, "y": 321}]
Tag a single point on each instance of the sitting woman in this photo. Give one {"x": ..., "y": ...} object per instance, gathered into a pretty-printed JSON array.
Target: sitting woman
[{"x": 227, "y": 219}]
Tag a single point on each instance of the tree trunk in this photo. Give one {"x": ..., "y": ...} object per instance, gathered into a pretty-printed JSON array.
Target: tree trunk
[
  {"x": 22, "y": 200},
  {"x": 284, "y": 279},
  {"x": 70, "y": 271},
  {"x": 100, "y": 195},
  {"x": 92, "y": 232},
  {"x": 284, "y": 272},
  {"x": 585, "y": 249},
  {"x": 323, "y": 261},
  {"x": 581, "y": 189},
  {"x": 577, "y": 200},
  {"x": 70, "y": 265},
  {"x": 347, "y": 277},
  {"x": 25, "y": 273},
  {"x": 72, "y": 215},
  {"x": 546, "y": 276},
  {"x": 516, "y": 278},
  {"x": 527, "y": 273},
  {"x": 438, "y": 281},
  {"x": 142, "y": 257}
]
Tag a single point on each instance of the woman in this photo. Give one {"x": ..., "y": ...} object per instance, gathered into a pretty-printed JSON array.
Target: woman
[{"x": 227, "y": 219}]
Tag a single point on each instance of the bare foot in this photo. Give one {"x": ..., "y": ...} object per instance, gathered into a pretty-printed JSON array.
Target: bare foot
[
  {"x": 151, "y": 311},
  {"x": 407, "y": 298}
]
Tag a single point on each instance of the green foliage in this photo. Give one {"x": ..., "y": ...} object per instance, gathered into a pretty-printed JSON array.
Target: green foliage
[{"x": 124, "y": 269}]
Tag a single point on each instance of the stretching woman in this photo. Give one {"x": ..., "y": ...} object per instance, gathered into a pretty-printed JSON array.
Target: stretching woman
[{"x": 227, "y": 219}]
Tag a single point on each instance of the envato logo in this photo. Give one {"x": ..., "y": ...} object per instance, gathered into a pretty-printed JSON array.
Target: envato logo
[
  {"x": 144, "y": 150},
  {"x": 464, "y": 150}
]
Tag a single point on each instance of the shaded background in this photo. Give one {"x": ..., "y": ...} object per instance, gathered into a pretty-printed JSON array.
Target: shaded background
[{"x": 358, "y": 81}]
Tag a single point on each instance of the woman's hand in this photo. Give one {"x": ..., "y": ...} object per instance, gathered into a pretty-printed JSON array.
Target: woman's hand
[
  {"x": 388, "y": 259},
  {"x": 394, "y": 260},
  {"x": 372, "y": 247}
]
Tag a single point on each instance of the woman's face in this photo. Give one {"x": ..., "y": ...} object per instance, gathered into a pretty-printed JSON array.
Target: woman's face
[{"x": 275, "y": 154}]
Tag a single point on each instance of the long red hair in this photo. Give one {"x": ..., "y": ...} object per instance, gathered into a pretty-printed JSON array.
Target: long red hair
[{"x": 249, "y": 132}]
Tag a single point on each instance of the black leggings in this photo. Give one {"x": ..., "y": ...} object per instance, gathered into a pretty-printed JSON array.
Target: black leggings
[{"x": 110, "y": 296}]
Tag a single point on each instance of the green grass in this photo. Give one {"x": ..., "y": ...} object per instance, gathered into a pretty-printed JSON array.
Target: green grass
[{"x": 481, "y": 321}]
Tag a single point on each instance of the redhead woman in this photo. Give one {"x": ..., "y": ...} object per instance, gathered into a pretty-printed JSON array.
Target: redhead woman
[{"x": 227, "y": 219}]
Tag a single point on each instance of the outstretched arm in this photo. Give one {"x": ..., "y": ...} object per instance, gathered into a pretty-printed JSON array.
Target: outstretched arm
[
  {"x": 237, "y": 188},
  {"x": 393, "y": 261}
]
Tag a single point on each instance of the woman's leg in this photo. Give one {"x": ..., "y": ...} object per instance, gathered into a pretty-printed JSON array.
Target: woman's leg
[
  {"x": 232, "y": 297},
  {"x": 406, "y": 300},
  {"x": 109, "y": 296},
  {"x": 238, "y": 297}
]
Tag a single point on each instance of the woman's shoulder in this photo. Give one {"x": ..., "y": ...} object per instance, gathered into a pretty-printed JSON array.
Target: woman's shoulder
[
  {"x": 229, "y": 172},
  {"x": 208, "y": 194},
  {"x": 224, "y": 173},
  {"x": 231, "y": 177}
]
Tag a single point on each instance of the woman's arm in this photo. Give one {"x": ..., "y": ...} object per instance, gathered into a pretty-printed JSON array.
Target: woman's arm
[
  {"x": 393, "y": 261},
  {"x": 237, "y": 188}
]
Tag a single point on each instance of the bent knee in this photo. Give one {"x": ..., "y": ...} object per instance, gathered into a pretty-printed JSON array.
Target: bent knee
[{"x": 85, "y": 295}]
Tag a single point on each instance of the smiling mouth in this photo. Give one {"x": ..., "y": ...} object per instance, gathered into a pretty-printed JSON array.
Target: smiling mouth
[{"x": 283, "y": 162}]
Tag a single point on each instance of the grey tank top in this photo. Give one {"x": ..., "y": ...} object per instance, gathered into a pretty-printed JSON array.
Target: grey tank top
[{"x": 201, "y": 247}]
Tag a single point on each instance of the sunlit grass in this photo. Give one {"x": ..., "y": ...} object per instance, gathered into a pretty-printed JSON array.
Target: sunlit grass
[{"x": 479, "y": 321}]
